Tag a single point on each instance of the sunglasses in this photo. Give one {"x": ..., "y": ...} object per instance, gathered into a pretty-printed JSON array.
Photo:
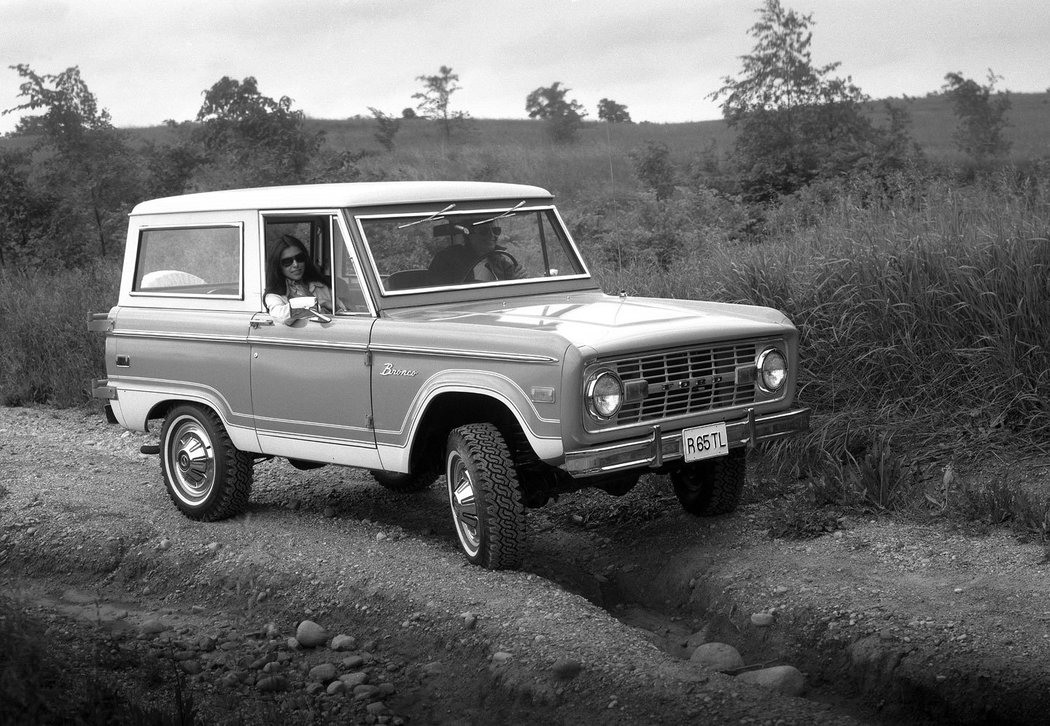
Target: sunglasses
[{"x": 289, "y": 261}]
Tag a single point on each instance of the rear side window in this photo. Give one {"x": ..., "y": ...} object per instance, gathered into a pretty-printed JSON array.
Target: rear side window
[{"x": 190, "y": 261}]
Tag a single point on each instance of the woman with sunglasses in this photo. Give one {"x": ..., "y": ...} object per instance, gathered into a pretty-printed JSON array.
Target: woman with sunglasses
[{"x": 292, "y": 276}]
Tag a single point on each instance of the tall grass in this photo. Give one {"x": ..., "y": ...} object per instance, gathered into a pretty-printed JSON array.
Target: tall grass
[
  {"x": 48, "y": 355},
  {"x": 924, "y": 309}
]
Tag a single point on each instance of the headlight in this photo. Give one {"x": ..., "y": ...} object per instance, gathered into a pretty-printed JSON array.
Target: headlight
[
  {"x": 604, "y": 394},
  {"x": 772, "y": 370}
]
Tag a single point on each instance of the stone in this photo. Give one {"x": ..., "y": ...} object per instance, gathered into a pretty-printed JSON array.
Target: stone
[
  {"x": 566, "y": 669},
  {"x": 353, "y": 661},
  {"x": 784, "y": 679},
  {"x": 352, "y": 680},
  {"x": 434, "y": 668},
  {"x": 344, "y": 642},
  {"x": 272, "y": 684},
  {"x": 325, "y": 673},
  {"x": 310, "y": 634},
  {"x": 190, "y": 667},
  {"x": 501, "y": 657},
  {"x": 153, "y": 626},
  {"x": 336, "y": 687},
  {"x": 717, "y": 656},
  {"x": 762, "y": 620}
]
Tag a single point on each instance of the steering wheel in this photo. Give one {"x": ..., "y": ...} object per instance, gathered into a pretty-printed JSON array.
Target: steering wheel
[{"x": 469, "y": 276}]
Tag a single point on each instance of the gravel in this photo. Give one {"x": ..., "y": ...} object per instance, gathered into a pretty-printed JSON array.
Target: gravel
[{"x": 335, "y": 598}]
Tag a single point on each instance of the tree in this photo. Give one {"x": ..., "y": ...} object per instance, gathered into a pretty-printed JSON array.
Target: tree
[
  {"x": 434, "y": 99},
  {"x": 654, "y": 167},
  {"x": 564, "y": 117},
  {"x": 794, "y": 121},
  {"x": 253, "y": 139},
  {"x": 91, "y": 174},
  {"x": 982, "y": 120},
  {"x": 21, "y": 211},
  {"x": 387, "y": 126},
  {"x": 614, "y": 113}
]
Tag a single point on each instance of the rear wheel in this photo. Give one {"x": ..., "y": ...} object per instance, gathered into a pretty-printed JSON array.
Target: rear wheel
[
  {"x": 206, "y": 476},
  {"x": 485, "y": 497},
  {"x": 712, "y": 486}
]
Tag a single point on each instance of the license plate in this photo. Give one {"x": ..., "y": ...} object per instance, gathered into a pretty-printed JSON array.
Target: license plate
[{"x": 705, "y": 442}]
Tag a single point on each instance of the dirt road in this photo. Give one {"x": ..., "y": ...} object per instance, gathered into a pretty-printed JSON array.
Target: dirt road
[{"x": 895, "y": 621}]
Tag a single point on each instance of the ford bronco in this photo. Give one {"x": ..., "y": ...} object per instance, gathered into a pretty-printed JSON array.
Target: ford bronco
[{"x": 465, "y": 339}]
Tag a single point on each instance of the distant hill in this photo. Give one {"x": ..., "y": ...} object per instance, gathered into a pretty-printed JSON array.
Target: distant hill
[{"x": 932, "y": 125}]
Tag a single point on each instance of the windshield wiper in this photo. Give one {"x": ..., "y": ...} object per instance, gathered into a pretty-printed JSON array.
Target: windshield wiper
[
  {"x": 432, "y": 217},
  {"x": 509, "y": 213}
]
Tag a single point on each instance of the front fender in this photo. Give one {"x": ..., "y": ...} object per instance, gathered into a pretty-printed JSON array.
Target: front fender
[{"x": 539, "y": 420}]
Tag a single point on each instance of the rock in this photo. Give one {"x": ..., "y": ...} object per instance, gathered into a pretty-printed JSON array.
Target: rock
[
  {"x": 762, "y": 620},
  {"x": 230, "y": 680},
  {"x": 501, "y": 657},
  {"x": 784, "y": 679},
  {"x": 313, "y": 688},
  {"x": 353, "y": 661},
  {"x": 377, "y": 709},
  {"x": 153, "y": 626},
  {"x": 433, "y": 669},
  {"x": 470, "y": 620},
  {"x": 566, "y": 669},
  {"x": 336, "y": 687},
  {"x": 325, "y": 673},
  {"x": 272, "y": 684},
  {"x": 344, "y": 642},
  {"x": 353, "y": 680},
  {"x": 310, "y": 635},
  {"x": 364, "y": 692},
  {"x": 717, "y": 656},
  {"x": 191, "y": 667}
]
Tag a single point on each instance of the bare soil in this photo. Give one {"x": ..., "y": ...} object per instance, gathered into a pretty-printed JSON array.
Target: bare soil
[{"x": 890, "y": 620}]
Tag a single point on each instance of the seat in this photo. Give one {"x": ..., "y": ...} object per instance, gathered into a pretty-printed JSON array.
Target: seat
[
  {"x": 169, "y": 278},
  {"x": 408, "y": 279}
]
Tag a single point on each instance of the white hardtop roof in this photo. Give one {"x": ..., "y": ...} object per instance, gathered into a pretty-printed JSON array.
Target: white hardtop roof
[{"x": 358, "y": 194}]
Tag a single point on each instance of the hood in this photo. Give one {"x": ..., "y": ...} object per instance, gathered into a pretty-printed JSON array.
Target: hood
[{"x": 605, "y": 323}]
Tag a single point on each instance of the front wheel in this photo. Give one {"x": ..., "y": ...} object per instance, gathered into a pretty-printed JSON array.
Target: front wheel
[
  {"x": 206, "y": 476},
  {"x": 712, "y": 486},
  {"x": 485, "y": 496}
]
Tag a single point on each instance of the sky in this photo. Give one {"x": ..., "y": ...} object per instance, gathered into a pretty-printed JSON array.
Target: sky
[{"x": 148, "y": 61}]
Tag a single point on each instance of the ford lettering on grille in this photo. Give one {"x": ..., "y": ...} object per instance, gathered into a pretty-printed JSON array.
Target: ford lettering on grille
[{"x": 687, "y": 381}]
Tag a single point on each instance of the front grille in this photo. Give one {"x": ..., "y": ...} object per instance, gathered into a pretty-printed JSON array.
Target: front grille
[{"x": 687, "y": 381}]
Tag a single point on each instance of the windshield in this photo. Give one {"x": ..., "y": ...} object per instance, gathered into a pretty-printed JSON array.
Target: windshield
[{"x": 440, "y": 249}]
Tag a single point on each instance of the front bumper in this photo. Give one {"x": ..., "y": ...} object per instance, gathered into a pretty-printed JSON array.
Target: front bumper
[{"x": 659, "y": 448}]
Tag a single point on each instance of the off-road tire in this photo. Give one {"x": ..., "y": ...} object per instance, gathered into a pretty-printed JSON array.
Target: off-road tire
[
  {"x": 713, "y": 486},
  {"x": 206, "y": 476},
  {"x": 405, "y": 483},
  {"x": 485, "y": 497}
]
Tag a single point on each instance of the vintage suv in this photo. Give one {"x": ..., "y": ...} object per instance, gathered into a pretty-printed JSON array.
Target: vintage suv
[{"x": 467, "y": 339}]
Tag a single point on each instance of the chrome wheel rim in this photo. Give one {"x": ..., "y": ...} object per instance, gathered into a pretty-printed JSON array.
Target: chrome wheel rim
[
  {"x": 463, "y": 498},
  {"x": 190, "y": 461}
]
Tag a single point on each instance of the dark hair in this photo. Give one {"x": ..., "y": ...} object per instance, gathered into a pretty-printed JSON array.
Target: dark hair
[{"x": 275, "y": 279}]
